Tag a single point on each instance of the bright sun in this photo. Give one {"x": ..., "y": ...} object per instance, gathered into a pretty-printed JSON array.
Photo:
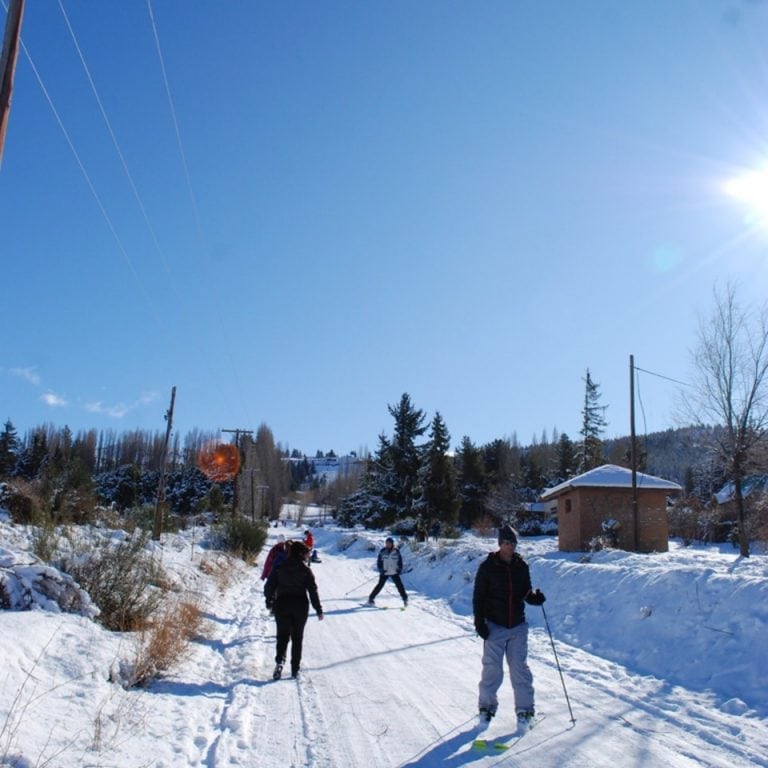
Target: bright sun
[{"x": 751, "y": 188}]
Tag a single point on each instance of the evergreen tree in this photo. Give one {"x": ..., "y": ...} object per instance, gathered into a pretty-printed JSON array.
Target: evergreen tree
[
  {"x": 472, "y": 483},
  {"x": 440, "y": 495},
  {"x": 592, "y": 426},
  {"x": 531, "y": 477},
  {"x": 375, "y": 503},
  {"x": 9, "y": 448},
  {"x": 32, "y": 458},
  {"x": 405, "y": 454},
  {"x": 500, "y": 461},
  {"x": 566, "y": 460}
]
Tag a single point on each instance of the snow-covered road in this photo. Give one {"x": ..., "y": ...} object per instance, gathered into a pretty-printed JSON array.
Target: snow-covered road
[{"x": 387, "y": 688}]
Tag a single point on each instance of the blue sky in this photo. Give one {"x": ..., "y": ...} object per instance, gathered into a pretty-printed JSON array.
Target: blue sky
[{"x": 469, "y": 202}]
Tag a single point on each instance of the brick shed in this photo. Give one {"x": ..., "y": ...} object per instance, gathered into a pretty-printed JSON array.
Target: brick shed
[{"x": 605, "y": 493}]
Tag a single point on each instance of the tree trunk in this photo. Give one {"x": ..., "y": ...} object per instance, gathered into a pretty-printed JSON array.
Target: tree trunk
[{"x": 743, "y": 537}]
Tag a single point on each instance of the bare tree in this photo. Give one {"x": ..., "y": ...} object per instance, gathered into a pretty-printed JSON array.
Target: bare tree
[{"x": 730, "y": 388}]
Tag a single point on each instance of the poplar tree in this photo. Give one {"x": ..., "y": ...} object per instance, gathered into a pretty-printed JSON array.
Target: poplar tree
[{"x": 731, "y": 389}]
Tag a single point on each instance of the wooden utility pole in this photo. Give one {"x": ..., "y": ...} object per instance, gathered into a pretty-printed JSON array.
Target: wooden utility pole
[
  {"x": 237, "y": 433},
  {"x": 633, "y": 453},
  {"x": 8, "y": 64},
  {"x": 158, "y": 527}
]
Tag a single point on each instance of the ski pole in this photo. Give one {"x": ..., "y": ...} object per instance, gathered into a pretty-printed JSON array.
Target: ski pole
[
  {"x": 557, "y": 662},
  {"x": 354, "y": 589}
]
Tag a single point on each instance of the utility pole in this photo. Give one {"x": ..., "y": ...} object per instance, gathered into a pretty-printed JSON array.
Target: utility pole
[
  {"x": 262, "y": 489},
  {"x": 158, "y": 527},
  {"x": 633, "y": 452},
  {"x": 8, "y": 64},
  {"x": 237, "y": 433}
]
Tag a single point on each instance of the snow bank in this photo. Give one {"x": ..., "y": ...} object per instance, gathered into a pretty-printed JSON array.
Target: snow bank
[{"x": 668, "y": 615}]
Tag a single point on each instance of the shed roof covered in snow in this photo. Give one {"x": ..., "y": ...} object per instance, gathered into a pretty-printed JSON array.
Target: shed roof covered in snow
[{"x": 610, "y": 476}]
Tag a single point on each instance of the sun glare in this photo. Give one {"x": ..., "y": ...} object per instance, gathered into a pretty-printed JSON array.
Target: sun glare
[{"x": 751, "y": 188}]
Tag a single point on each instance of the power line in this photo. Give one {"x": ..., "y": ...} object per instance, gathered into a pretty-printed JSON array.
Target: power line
[
  {"x": 114, "y": 140},
  {"x": 661, "y": 376},
  {"x": 195, "y": 210},
  {"x": 91, "y": 187}
]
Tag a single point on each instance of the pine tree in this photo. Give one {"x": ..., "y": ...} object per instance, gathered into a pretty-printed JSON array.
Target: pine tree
[
  {"x": 592, "y": 426},
  {"x": 377, "y": 503},
  {"x": 472, "y": 483},
  {"x": 531, "y": 477},
  {"x": 440, "y": 495},
  {"x": 566, "y": 460},
  {"x": 32, "y": 459},
  {"x": 500, "y": 461},
  {"x": 406, "y": 455},
  {"x": 9, "y": 448}
]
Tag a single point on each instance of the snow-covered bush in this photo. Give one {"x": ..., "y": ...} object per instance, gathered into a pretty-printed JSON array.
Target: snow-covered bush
[
  {"x": 26, "y": 583},
  {"x": 121, "y": 577}
]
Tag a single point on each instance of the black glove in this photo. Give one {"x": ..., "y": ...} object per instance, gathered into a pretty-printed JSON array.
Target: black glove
[
  {"x": 535, "y": 598},
  {"x": 270, "y": 605},
  {"x": 481, "y": 628}
]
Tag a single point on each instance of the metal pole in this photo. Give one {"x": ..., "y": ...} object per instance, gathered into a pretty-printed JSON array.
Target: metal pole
[
  {"x": 354, "y": 589},
  {"x": 557, "y": 662}
]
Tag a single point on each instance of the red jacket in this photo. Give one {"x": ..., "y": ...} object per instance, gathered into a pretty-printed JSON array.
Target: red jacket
[{"x": 269, "y": 564}]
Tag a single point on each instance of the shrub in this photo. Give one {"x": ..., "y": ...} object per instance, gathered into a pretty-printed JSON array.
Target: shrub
[
  {"x": 45, "y": 541},
  {"x": 242, "y": 537},
  {"x": 21, "y": 501},
  {"x": 165, "y": 640},
  {"x": 122, "y": 579}
]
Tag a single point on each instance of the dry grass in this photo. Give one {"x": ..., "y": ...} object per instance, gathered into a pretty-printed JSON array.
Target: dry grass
[
  {"x": 219, "y": 569},
  {"x": 165, "y": 641}
]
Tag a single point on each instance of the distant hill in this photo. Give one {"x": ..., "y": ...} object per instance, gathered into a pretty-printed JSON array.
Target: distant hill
[{"x": 675, "y": 454}]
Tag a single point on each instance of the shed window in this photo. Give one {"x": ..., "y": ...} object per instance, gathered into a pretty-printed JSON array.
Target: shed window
[{"x": 567, "y": 505}]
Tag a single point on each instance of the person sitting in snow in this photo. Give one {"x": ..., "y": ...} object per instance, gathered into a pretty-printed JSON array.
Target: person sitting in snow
[
  {"x": 286, "y": 596},
  {"x": 502, "y": 585},
  {"x": 390, "y": 565}
]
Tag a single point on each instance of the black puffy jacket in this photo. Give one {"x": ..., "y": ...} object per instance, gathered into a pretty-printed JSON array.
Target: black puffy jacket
[
  {"x": 500, "y": 589},
  {"x": 292, "y": 580}
]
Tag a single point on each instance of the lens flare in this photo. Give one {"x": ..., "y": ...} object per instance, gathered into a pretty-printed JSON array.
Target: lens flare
[
  {"x": 219, "y": 462},
  {"x": 751, "y": 188}
]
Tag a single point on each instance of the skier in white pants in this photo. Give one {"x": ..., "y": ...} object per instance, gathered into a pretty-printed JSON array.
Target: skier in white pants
[{"x": 502, "y": 585}]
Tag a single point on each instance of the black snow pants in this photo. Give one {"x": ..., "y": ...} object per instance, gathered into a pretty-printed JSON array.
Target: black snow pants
[
  {"x": 291, "y": 617},
  {"x": 398, "y": 582}
]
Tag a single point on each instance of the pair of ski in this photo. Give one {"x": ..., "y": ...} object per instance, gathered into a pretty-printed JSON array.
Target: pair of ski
[
  {"x": 502, "y": 745},
  {"x": 380, "y": 607}
]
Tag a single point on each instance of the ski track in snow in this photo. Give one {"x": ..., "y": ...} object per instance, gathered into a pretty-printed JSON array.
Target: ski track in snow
[
  {"x": 378, "y": 689},
  {"x": 366, "y": 698}
]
